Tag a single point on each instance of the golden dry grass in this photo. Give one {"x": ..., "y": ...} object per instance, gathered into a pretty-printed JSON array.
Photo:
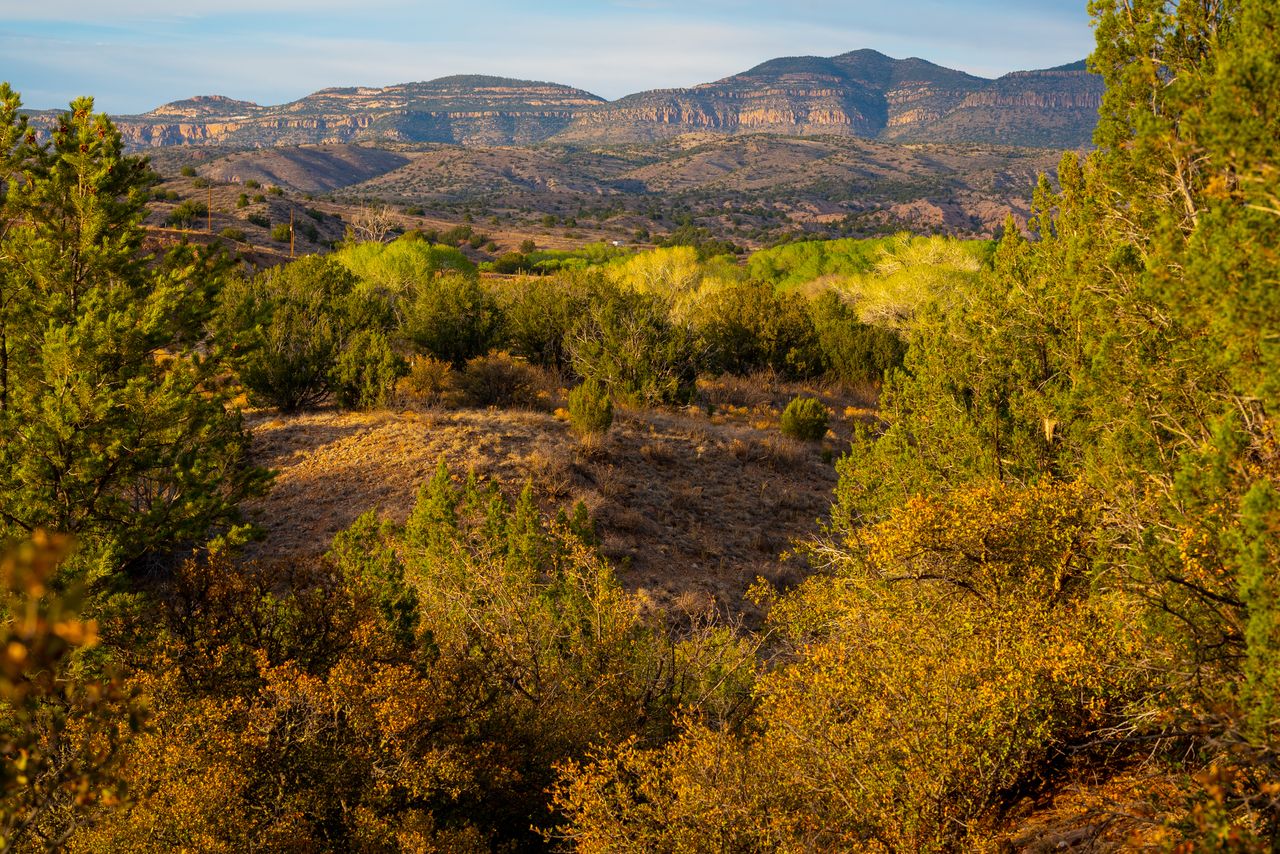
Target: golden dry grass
[{"x": 690, "y": 507}]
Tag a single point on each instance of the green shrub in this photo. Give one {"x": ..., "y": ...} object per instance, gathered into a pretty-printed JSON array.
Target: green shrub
[
  {"x": 706, "y": 243},
  {"x": 590, "y": 409},
  {"x": 452, "y": 318},
  {"x": 281, "y": 232},
  {"x": 232, "y": 233},
  {"x": 746, "y": 327},
  {"x": 290, "y": 325},
  {"x": 259, "y": 220},
  {"x": 854, "y": 351},
  {"x": 202, "y": 183},
  {"x": 805, "y": 418},
  {"x": 252, "y": 184},
  {"x": 500, "y": 379},
  {"x": 290, "y": 367},
  {"x": 511, "y": 262},
  {"x": 627, "y": 342},
  {"x": 276, "y": 191},
  {"x": 187, "y": 214},
  {"x": 243, "y": 200},
  {"x": 456, "y": 235},
  {"x": 539, "y": 315},
  {"x": 188, "y": 171},
  {"x": 366, "y": 371}
]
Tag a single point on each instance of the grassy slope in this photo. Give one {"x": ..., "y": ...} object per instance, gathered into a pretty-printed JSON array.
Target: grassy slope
[{"x": 691, "y": 507}]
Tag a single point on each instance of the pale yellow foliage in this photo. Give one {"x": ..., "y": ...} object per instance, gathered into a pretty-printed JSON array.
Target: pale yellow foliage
[
  {"x": 908, "y": 275},
  {"x": 676, "y": 274},
  {"x": 669, "y": 272}
]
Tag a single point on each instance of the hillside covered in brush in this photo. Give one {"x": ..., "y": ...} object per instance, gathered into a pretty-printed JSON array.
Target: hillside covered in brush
[{"x": 877, "y": 544}]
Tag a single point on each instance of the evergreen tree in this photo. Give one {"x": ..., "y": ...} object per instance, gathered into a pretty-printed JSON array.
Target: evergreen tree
[
  {"x": 1131, "y": 345},
  {"x": 15, "y": 143},
  {"x": 110, "y": 429}
]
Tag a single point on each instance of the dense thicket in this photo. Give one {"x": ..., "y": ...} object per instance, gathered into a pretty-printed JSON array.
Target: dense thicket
[
  {"x": 642, "y": 327},
  {"x": 415, "y": 690}
]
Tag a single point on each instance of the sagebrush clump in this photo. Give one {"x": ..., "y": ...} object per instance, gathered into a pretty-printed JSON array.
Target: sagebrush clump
[
  {"x": 430, "y": 382},
  {"x": 500, "y": 379}
]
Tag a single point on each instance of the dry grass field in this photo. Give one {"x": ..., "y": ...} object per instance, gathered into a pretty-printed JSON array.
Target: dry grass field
[{"x": 692, "y": 505}]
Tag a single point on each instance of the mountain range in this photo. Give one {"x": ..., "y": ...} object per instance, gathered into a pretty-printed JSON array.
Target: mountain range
[{"x": 862, "y": 94}]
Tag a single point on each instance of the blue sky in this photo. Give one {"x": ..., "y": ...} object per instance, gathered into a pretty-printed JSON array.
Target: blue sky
[{"x": 133, "y": 55}]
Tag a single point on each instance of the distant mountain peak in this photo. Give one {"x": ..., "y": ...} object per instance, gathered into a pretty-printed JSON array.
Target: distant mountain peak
[
  {"x": 861, "y": 93},
  {"x": 503, "y": 82},
  {"x": 789, "y": 64},
  {"x": 864, "y": 54},
  {"x": 202, "y": 105}
]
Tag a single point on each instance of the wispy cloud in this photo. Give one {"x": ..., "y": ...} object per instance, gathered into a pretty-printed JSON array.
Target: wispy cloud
[
  {"x": 95, "y": 11},
  {"x": 136, "y": 54}
]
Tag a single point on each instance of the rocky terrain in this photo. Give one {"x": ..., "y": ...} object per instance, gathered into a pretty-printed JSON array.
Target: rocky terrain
[
  {"x": 469, "y": 110},
  {"x": 862, "y": 94},
  {"x": 1054, "y": 108}
]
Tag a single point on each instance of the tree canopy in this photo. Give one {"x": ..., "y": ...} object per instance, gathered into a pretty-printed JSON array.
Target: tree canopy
[{"x": 111, "y": 429}]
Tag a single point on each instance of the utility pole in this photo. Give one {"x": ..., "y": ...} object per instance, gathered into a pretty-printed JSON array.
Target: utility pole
[{"x": 290, "y": 232}]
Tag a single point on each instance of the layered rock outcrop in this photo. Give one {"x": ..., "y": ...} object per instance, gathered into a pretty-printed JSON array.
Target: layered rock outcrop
[
  {"x": 463, "y": 110},
  {"x": 860, "y": 94},
  {"x": 864, "y": 94},
  {"x": 1054, "y": 108}
]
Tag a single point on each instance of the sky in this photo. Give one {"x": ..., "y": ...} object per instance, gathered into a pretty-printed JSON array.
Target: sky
[{"x": 133, "y": 55}]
